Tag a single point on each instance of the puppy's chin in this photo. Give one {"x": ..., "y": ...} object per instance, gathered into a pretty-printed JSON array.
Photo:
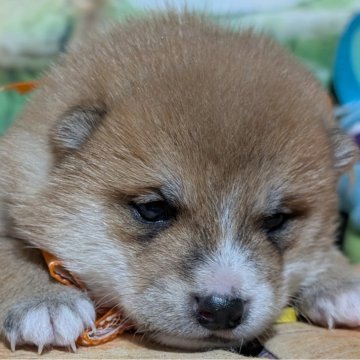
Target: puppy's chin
[{"x": 196, "y": 344}]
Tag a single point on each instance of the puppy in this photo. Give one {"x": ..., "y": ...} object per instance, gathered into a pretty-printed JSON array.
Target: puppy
[{"x": 187, "y": 175}]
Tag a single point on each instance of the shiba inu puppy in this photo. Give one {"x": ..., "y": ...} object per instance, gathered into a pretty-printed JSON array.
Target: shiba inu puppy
[{"x": 187, "y": 175}]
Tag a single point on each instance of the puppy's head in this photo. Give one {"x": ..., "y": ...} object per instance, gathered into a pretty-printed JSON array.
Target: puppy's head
[{"x": 193, "y": 182}]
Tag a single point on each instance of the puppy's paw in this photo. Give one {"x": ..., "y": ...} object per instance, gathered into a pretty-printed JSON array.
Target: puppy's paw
[
  {"x": 341, "y": 308},
  {"x": 49, "y": 319}
]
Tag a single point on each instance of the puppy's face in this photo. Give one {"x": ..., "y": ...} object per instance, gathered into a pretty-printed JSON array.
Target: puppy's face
[{"x": 197, "y": 207}]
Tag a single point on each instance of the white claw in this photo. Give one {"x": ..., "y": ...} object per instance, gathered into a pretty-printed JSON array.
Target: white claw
[
  {"x": 93, "y": 327},
  {"x": 13, "y": 344},
  {"x": 330, "y": 323},
  {"x": 40, "y": 349},
  {"x": 73, "y": 346}
]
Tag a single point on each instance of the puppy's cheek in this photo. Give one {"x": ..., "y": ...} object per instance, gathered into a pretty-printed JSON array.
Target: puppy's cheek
[
  {"x": 263, "y": 310},
  {"x": 107, "y": 274},
  {"x": 164, "y": 307},
  {"x": 102, "y": 262}
]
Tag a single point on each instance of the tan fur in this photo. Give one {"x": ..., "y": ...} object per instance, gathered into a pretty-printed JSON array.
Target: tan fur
[{"x": 229, "y": 127}]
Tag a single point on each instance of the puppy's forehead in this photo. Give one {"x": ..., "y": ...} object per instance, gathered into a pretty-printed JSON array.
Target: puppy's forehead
[
  {"x": 245, "y": 115},
  {"x": 205, "y": 140},
  {"x": 204, "y": 162},
  {"x": 223, "y": 120},
  {"x": 209, "y": 156}
]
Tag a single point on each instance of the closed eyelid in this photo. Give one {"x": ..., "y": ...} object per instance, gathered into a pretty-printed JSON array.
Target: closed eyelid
[
  {"x": 146, "y": 198},
  {"x": 285, "y": 201},
  {"x": 296, "y": 204}
]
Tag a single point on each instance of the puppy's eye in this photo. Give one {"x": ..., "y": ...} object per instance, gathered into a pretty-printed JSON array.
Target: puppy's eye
[
  {"x": 154, "y": 211},
  {"x": 275, "y": 222}
]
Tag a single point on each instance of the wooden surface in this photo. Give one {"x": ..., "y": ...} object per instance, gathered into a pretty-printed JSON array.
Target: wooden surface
[
  {"x": 304, "y": 341},
  {"x": 296, "y": 341},
  {"x": 121, "y": 348}
]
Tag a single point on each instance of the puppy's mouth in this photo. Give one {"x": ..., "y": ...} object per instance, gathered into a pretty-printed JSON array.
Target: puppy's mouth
[
  {"x": 196, "y": 343},
  {"x": 219, "y": 339}
]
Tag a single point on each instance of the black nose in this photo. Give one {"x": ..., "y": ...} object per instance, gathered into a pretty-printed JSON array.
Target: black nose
[{"x": 219, "y": 312}]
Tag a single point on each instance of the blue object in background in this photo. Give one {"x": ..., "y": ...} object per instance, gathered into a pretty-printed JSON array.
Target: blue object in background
[
  {"x": 346, "y": 81},
  {"x": 349, "y": 189},
  {"x": 347, "y": 64}
]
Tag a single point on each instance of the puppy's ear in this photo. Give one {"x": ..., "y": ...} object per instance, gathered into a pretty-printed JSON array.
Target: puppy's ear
[
  {"x": 345, "y": 151},
  {"x": 74, "y": 128}
]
